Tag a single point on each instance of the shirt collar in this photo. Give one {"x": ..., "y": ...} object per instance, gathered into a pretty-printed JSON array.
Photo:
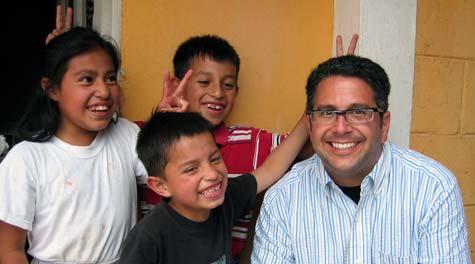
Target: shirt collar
[
  {"x": 221, "y": 134},
  {"x": 381, "y": 170}
]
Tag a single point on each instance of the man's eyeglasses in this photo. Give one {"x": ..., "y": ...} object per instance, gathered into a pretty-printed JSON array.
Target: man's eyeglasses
[{"x": 352, "y": 116}]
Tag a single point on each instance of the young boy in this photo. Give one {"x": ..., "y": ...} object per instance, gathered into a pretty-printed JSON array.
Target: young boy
[
  {"x": 193, "y": 224},
  {"x": 211, "y": 91}
]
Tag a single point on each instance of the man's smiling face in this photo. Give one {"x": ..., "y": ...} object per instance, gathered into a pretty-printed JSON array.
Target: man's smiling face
[{"x": 348, "y": 151}]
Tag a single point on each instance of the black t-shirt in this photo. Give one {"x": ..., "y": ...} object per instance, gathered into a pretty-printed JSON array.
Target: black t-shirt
[
  {"x": 164, "y": 236},
  {"x": 352, "y": 192}
]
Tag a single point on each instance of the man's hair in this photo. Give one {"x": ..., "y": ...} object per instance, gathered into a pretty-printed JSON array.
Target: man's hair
[
  {"x": 211, "y": 46},
  {"x": 161, "y": 132},
  {"x": 351, "y": 66}
]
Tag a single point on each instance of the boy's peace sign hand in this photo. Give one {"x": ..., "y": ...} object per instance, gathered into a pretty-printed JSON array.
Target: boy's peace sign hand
[
  {"x": 351, "y": 48},
  {"x": 62, "y": 24},
  {"x": 172, "y": 99}
]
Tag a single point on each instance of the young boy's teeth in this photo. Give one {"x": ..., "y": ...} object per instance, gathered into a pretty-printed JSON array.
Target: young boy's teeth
[
  {"x": 343, "y": 145},
  {"x": 212, "y": 190},
  {"x": 214, "y": 107}
]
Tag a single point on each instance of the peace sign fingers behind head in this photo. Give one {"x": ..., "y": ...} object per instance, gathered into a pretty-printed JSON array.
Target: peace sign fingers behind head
[{"x": 63, "y": 24}]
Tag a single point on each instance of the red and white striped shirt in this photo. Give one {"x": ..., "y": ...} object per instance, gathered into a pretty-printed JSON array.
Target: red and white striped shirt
[{"x": 244, "y": 149}]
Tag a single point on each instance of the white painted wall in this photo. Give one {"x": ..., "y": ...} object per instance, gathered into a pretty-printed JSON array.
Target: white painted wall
[
  {"x": 387, "y": 30},
  {"x": 107, "y": 17}
]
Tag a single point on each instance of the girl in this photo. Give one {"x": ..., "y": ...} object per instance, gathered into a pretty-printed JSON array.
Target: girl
[{"x": 71, "y": 186}]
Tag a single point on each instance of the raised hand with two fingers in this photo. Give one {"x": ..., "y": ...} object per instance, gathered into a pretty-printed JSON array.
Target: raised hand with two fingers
[
  {"x": 172, "y": 99},
  {"x": 351, "y": 47},
  {"x": 63, "y": 23}
]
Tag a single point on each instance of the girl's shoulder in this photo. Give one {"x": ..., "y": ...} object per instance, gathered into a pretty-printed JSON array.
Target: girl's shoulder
[
  {"x": 124, "y": 127},
  {"x": 27, "y": 152},
  {"x": 122, "y": 122}
]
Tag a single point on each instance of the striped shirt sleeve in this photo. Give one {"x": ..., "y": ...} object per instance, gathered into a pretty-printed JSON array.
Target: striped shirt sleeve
[
  {"x": 272, "y": 240},
  {"x": 444, "y": 235}
]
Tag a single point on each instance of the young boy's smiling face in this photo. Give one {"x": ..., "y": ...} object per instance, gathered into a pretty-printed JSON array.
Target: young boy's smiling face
[
  {"x": 212, "y": 88},
  {"x": 195, "y": 176}
]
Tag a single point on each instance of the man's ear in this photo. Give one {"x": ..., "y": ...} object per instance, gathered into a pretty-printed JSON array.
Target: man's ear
[
  {"x": 308, "y": 123},
  {"x": 48, "y": 88},
  {"x": 158, "y": 185},
  {"x": 386, "y": 120}
]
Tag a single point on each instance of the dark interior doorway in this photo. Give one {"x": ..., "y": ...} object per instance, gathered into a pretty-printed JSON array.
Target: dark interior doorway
[{"x": 25, "y": 25}]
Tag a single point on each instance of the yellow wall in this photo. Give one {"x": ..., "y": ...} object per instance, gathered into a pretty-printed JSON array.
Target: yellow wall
[
  {"x": 279, "y": 42},
  {"x": 443, "y": 115}
]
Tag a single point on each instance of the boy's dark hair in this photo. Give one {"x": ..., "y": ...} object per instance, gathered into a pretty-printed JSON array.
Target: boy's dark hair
[
  {"x": 214, "y": 47},
  {"x": 351, "y": 66},
  {"x": 161, "y": 132},
  {"x": 41, "y": 120}
]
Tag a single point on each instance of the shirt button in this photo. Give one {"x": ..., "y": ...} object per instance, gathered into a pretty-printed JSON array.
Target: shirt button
[{"x": 359, "y": 261}]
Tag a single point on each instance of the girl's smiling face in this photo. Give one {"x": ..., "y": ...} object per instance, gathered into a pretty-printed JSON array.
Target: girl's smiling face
[{"x": 87, "y": 98}]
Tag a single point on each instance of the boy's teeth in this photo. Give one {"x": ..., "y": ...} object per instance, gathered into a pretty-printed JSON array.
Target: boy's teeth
[
  {"x": 214, "y": 107},
  {"x": 343, "y": 145},
  {"x": 212, "y": 190}
]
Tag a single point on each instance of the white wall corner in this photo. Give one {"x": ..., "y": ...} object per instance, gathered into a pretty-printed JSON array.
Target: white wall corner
[
  {"x": 387, "y": 32},
  {"x": 346, "y": 22},
  {"x": 106, "y": 20}
]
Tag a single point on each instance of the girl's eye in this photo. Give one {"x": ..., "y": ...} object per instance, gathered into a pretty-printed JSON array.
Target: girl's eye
[
  {"x": 85, "y": 79},
  {"x": 112, "y": 79}
]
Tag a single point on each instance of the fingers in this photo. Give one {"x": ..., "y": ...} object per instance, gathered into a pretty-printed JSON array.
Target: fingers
[
  {"x": 52, "y": 35},
  {"x": 167, "y": 85},
  {"x": 49, "y": 38},
  {"x": 179, "y": 90},
  {"x": 172, "y": 99},
  {"x": 62, "y": 24},
  {"x": 178, "y": 105},
  {"x": 69, "y": 19},
  {"x": 183, "y": 104},
  {"x": 352, "y": 47},
  {"x": 339, "y": 46},
  {"x": 59, "y": 16}
]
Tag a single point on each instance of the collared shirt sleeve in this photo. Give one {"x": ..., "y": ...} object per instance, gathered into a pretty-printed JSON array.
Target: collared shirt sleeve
[
  {"x": 272, "y": 239},
  {"x": 444, "y": 233}
]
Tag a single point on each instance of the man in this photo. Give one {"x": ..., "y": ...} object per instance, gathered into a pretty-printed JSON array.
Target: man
[{"x": 360, "y": 199}]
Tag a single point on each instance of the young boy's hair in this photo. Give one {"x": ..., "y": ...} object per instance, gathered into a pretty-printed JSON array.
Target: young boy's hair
[
  {"x": 211, "y": 46},
  {"x": 161, "y": 132}
]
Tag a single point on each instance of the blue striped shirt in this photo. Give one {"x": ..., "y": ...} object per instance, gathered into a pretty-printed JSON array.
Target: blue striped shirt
[{"x": 410, "y": 211}]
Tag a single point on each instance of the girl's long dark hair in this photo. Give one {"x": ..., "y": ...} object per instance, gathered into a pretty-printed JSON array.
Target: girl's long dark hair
[{"x": 41, "y": 119}]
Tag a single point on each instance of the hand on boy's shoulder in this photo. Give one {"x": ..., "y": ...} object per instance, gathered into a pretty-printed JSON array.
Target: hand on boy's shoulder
[{"x": 172, "y": 99}]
